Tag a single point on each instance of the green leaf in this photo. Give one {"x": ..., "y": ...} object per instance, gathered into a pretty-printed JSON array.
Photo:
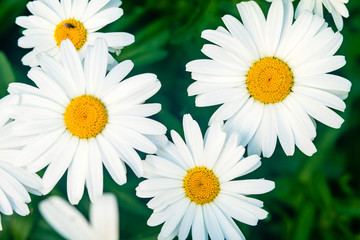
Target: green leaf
[{"x": 6, "y": 74}]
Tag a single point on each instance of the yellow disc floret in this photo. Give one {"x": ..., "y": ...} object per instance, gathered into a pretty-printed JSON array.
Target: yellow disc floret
[
  {"x": 201, "y": 185},
  {"x": 71, "y": 29},
  {"x": 269, "y": 80},
  {"x": 85, "y": 116}
]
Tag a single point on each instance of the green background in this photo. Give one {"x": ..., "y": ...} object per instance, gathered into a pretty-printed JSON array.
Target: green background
[{"x": 314, "y": 198}]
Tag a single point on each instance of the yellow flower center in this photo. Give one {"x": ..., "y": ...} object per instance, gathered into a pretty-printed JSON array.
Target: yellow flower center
[
  {"x": 201, "y": 185},
  {"x": 269, "y": 80},
  {"x": 73, "y": 30},
  {"x": 85, "y": 116}
]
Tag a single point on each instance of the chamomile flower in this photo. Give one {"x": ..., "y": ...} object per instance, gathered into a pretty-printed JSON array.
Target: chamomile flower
[
  {"x": 193, "y": 185},
  {"x": 336, "y": 8},
  {"x": 80, "y": 118},
  {"x": 71, "y": 224},
  {"x": 15, "y": 182},
  {"x": 78, "y": 20},
  {"x": 272, "y": 77}
]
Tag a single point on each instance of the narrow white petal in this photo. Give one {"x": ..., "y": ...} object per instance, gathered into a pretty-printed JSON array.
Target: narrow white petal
[
  {"x": 72, "y": 64},
  {"x": 172, "y": 222},
  {"x": 102, "y": 18},
  {"x": 198, "y": 227},
  {"x": 228, "y": 226},
  {"x": 241, "y": 168},
  {"x": 187, "y": 221},
  {"x": 194, "y": 138},
  {"x": 214, "y": 142},
  {"x": 94, "y": 177},
  {"x": 273, "y": 28},
  {"x": 284, "y": 131},
  {"x": 77, "y": 172},
  {"x": 61, "y": 159},
  {"x": 254, "y": 21},
  {"x": 93, "y": 7},
  {"x": 212, "y": 223},
  {"x": 163, "y": 167},
  {"x": 111, "y": 160},
  {"x": 246, "y": 187},
  {"x": 319, "y": 111},
  {"x": 95, "y": 64}
]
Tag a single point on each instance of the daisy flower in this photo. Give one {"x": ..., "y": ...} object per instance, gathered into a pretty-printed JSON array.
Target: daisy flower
[
  {"x": 272, "y": 77},
  {"x": 336, "y": 8},
  {"x": 15, "y": 182},
  {"x": 192, "y": 185},
  {"x": 80, "y": 117},
  {"x": 78, "y": 20},
  {"x": 71, "y": 224}
]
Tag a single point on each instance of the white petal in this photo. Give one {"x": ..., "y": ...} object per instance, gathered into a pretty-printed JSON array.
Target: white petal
[
  {"x": 66, "y": 219},
  {"x": 111, "y": 160},
  {"x": 61, "y": 159},
  {"x": 254, "y": 21},
  {"x": 95, "y": 65},
  {"x": 214, "y": 142},
  {"x": 187, "y": 221},
  {"x": 42, "y": 10},
  {"x": 228, "y": 226},
  {"x": 72, "y": 64},
  {"x": 94, "y": 178},
  {"x": 139, "y": 124},
  {"x": 104, "y": 217},
  {"x": 198, "y": 227},
  {"x": 241, "y": 168},
  {"x": 319, "y": 111},
  {"x": 194, "y": 139},
  {"x": 171, "y": 223},
  {"x": 77, "y": 172},
  {"x": 246, "y": 187},
  {"x": 102, "y": 18},
  {"x": 274, "y": 25},
  {"x": 212, "y": 223}
]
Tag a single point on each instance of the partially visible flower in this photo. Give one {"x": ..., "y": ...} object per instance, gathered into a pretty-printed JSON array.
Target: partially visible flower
[
  {"x": 337, "y": 9},
  {"x": 71, "y": 224},
  {"x": 15, "y": 182},
  {"x": 81, "y": 117},
  {"x": 78, "y": 20},
  {"x": 272, "y": 77},
  {"x": 192, "y": 185}
]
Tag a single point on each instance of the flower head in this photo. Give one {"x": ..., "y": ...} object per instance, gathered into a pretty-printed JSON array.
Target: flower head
[
  {"x": 71, "y": 224},
  {"x": 78, "y": 20},
  {"x": 272, "y": 77},
  {"x": 15, "y": 182},
  {"x": 79, "y": 118},
  {"x": 192, "y": 185}
]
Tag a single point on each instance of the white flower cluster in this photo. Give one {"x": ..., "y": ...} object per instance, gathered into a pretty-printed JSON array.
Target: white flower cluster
[{"x": 271, "y": 76}]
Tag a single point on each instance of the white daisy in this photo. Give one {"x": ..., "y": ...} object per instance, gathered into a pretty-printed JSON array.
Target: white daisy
[
  {"x": 78, "y": 20},
  {"x": 15, "y": 182},
  {"x": 80, "y": 117},
  {"x": 71, "y": 224},
  {"x": 192, "y": 185},
  {"x": 337, "y": 9},
  {"x": 272, "y": 77}
]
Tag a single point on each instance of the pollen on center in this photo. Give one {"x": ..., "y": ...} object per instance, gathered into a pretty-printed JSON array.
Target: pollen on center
[
  {"x": 269, "y": 80},
  {"x": 201, "y": 185},
  {"x": 71, "y": 29},
  {"x": 85, "y": 116}
]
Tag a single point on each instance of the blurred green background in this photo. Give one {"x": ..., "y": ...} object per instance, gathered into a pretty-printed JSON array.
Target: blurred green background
[{"x": 314, "y": 198}]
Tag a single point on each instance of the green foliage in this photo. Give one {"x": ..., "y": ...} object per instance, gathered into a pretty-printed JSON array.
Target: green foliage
[{"x": 314, "y": 198}]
